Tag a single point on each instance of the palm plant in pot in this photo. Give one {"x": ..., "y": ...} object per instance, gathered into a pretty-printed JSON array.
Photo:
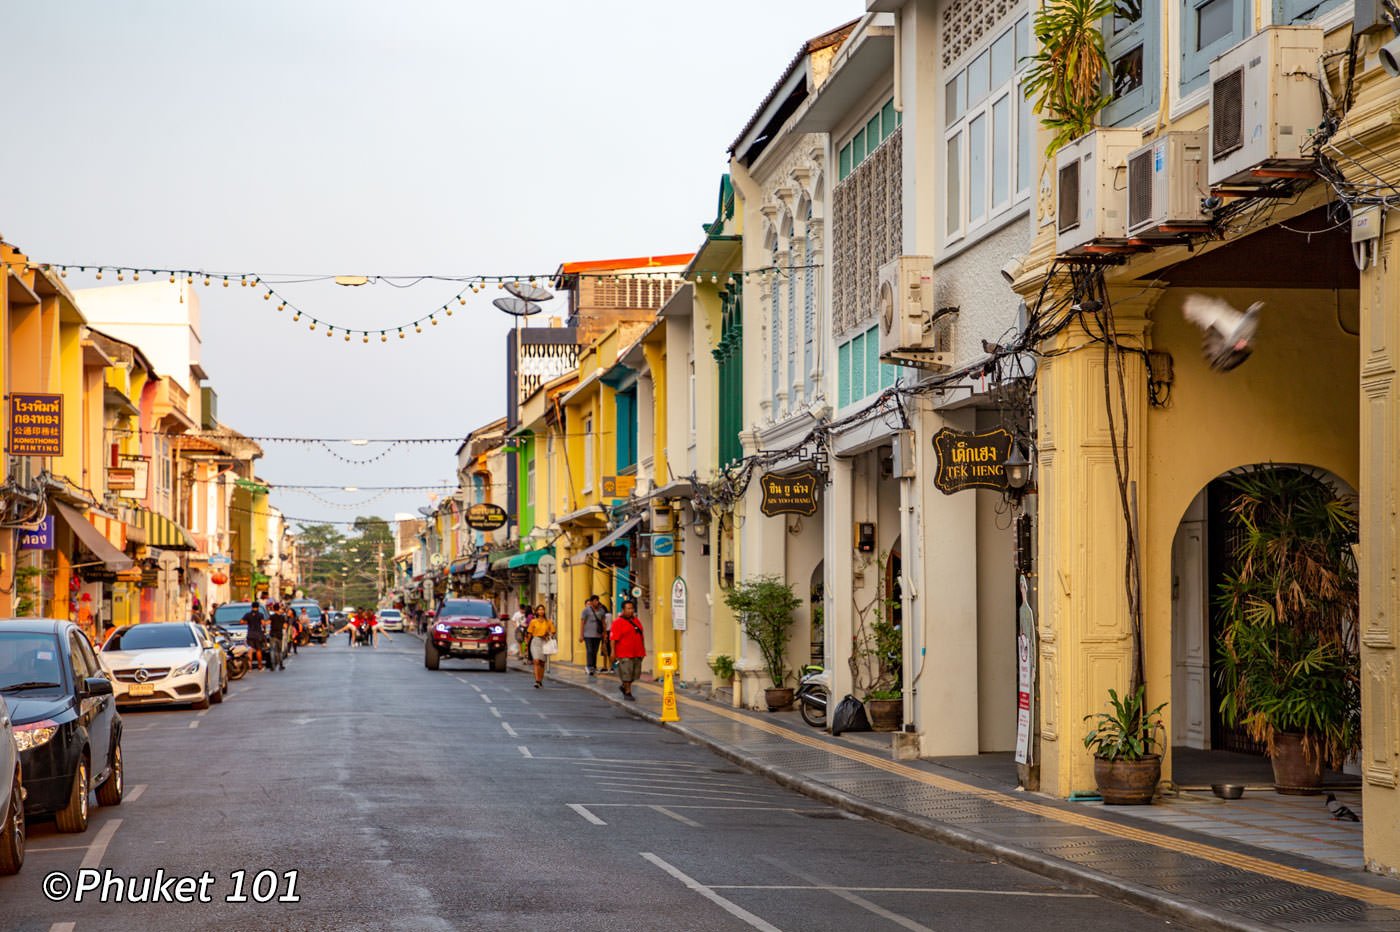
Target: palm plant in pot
[
  {"x": 764, "y": 607},
  {"x": 1125, "y": 739},
  {"x": 1288, "y": 656}
]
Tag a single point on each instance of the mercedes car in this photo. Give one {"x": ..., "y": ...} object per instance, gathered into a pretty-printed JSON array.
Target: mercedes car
[{"x": 166, "y": 663}]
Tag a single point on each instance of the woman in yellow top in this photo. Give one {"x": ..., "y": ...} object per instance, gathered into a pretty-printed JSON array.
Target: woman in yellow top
[{"x": 539, "y": 630}]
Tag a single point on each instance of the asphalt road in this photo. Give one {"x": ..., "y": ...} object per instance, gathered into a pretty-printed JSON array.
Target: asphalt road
[{"x": 464, "y": 799}]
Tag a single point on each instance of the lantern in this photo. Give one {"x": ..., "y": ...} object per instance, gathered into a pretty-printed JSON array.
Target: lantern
[{"x": 218, "y": 578}]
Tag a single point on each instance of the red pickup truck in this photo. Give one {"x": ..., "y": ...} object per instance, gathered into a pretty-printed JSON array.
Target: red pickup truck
[{"x": 467, "y": 629}]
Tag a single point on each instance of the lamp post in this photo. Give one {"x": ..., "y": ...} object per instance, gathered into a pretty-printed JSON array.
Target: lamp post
[{"x": 1017, "y": 469}]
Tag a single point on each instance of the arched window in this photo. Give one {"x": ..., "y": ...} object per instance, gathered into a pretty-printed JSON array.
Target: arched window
[
  {"x": 775, "y": 334},
  {"x": 809, "y": 305}
]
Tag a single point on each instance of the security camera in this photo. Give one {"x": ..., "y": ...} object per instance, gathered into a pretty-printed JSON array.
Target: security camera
[
  {"x": 1012, "y": 271},
  {"x": 1390, "y": 57}
]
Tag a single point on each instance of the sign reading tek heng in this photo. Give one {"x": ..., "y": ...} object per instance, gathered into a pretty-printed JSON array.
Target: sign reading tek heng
[
  {"x": 36, "y": 425},
  {"x": 970, "y": 460}
]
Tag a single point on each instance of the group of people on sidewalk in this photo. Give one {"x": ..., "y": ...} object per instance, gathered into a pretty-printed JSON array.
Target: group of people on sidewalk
[
  {"x": 272, "y": 639},
  {"x": 621, "y": 638}
]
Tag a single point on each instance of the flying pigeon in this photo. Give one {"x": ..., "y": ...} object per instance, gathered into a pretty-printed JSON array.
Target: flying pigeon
[
  {"x": 1339, "y": 812},
  {"x": 1228, "y": 335}
]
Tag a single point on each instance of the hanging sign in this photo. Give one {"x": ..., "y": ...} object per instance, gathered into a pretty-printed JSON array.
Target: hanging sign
[
  {"x": 41, "y": 538},
  {"x": 968, "y": 460},
  {"x": 618, "y": 486},
  {"x": 1025, "y": 675},
  {"x": 663, "y": 545},
  {"x": 140, "y": 467},
  {"x": 678, "y": 604},
  {"x": 613, "y": 555},
  {"x": 121, "y": 479},
  {"x": 484, "y": 516},
  {"x": 793, "y": 493},
  {"x": 36, "y": 425}
]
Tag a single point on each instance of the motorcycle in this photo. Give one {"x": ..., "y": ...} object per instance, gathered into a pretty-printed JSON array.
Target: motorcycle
[
  {"x": 813, "y": 694},
  {"x": 237, "y": 656}
]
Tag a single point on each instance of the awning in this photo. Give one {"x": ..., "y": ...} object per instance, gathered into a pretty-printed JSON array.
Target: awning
[
  {"x": 624, "y": 528},
  {"x": 460, "y": 566},
  {"x": 529, "y": 558},
  {"x": 483, "y": 567},
  {"x": 161, "y": 532},
  {"x": 112, "y": 559}
]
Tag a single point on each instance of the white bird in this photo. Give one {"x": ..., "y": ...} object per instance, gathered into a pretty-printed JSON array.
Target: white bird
[{"x": 1228, "y": 334}]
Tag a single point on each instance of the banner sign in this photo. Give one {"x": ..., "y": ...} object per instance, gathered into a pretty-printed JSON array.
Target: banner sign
[
  {"x": 484, "y": 516},
  {"x": 793, "y": 493},
  {"x": 678, "y": 604},
  {"x": 1025, "y": 676},
  {"x": 41, "y": 538},
  {"x": 36, "y": 425},
  {"x": 971, "y": 460}
]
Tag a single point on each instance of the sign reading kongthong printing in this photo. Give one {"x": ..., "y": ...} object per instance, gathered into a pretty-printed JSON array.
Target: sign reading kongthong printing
[
  {"x": 792, "y": 493},
  {"x": 36, "y": 425},
  {"x": 969, "y": 460}
]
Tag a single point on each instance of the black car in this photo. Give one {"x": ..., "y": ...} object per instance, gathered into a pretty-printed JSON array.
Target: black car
[
  {"x": 466, "y": 628},
  {"x": 66, "y": 722}
]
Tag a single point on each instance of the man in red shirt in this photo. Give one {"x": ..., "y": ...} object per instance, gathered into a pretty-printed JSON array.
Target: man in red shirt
[{"x": 629, "y": 647}]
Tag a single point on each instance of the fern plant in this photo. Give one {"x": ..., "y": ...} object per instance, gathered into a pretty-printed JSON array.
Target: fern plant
[
  {"x": 1066, "y": 79},
  {"x": 1128, "y": 731}
]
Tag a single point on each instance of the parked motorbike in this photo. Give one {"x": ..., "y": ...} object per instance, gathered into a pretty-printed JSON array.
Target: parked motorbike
[
  {"x": 813, "y": 694},
  {"x": 238, "y": 657}
]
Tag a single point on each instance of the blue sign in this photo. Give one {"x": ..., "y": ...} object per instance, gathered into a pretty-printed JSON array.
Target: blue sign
[
  {"x": 41, "y": 538},
  {"x": 663, "y": 545}
]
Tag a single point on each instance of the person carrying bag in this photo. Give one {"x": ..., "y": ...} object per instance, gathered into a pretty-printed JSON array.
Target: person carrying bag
[{"x": 542, "y": 642}]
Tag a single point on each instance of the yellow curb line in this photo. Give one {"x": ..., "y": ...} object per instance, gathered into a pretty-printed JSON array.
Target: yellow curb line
[{"x": 1243, "y": 862}]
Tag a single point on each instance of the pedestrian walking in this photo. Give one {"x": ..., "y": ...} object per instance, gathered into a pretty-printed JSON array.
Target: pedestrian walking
[
  {"x": 303, "y": 624},
  {"x": 593, "y": 627},
  {"x": 541, "y": 633},
  {"x": 629, "y": 646},
  {"x": 519, "y": 621},
  {"x": 276, "y": 630},
  {"x": 257, "y": 640}
]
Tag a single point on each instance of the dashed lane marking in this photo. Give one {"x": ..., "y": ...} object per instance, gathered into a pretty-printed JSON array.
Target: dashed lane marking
[
  {"x": 61, "y": 927},
  {"x": 967, "y": 890},
  {"x": 194, "y": 724},
  {"x": 677, "y": 816},
  {"x": 485, "y": 698},
  {"x": 903, "y": 922},
  {"x": 1245, "y": 862},
  {"x": 729, "y": 906},
  {"x": 524, "y": 751},
  {"x": 472, "y": 685},
  {"x": 587, "y": 816},
  {"x": 495, "y": 711},
  {"x": 510, "y": 731},
  {"x": 134, "y": 793},
  {"x": 98, "y": 848}
]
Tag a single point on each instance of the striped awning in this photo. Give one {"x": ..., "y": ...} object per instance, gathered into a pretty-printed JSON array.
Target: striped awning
[{"x": 161, "y": 532}]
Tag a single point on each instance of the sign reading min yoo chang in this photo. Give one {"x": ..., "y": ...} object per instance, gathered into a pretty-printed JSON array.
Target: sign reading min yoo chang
[
  {"x": 970, "y": 460},
  {"x": 36, "y": 425}
]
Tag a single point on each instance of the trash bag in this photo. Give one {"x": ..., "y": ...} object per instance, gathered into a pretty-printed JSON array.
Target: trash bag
[{"x": 849, "y": 716}]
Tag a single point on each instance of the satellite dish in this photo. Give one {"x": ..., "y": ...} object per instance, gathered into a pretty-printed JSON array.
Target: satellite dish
[
  {"x": 517, "y": 307},
  {"x": 425, "y": 511},
  {"x": 528, "y": 292}
]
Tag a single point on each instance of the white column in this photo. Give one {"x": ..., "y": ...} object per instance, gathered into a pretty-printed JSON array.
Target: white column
[{"x": 838, "y": 574}]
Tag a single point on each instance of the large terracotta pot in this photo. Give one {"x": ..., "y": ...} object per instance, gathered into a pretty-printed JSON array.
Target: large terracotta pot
[
  {"x": 885, "y": 714},
  {"x": 779, "y": 698},
  {"x": 1294, "y": 774},
  {"x": 1128, "y": 782}
]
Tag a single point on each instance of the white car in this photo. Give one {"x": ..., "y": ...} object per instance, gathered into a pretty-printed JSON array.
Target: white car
[
  {"x": 11, "y": 797},
  {"x": 162, "y": 663},
  {"x": 390, "y": 619}
]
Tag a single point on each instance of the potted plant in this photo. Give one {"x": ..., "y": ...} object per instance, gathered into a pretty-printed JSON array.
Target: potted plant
[
  {"x": 723, "y": 669},
  {"x": 1124, "y": 740},
  {"x": 1289, "y": 664},
  {"x": 764, "y": 607},
  {"x": 884, "y": 651}
]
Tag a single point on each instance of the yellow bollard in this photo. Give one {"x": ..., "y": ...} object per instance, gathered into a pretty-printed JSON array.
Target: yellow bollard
[{"x": 666, "y": 663}]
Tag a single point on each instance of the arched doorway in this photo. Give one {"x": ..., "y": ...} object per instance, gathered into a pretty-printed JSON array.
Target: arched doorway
[{"x": 815, "y": 591}]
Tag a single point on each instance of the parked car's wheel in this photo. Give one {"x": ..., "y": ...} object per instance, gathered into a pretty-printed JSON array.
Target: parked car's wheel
[
  {"x": 114, "y": 787},
  {"x": 431, "y": 657},
  {"x": 12, "y": 830},
  {"x": 498, "y": 661},
  {"x": 74, "y": 816},
  {"x": 217, "y": 696}
]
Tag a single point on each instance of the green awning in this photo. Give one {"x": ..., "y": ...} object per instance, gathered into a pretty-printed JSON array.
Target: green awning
[
  {"x": 161, "y": 531},
  {"x": 529, "y": 558}
]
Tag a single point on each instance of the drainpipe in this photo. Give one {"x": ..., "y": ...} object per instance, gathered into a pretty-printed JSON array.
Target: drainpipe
[{"x": 899, "y": 60}]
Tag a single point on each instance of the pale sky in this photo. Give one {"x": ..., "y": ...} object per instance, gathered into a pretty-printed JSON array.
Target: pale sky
[{"x": 347, "y": 137}]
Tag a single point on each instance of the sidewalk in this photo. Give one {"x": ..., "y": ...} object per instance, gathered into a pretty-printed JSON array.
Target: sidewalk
[{"x": 1202, "y": 881}]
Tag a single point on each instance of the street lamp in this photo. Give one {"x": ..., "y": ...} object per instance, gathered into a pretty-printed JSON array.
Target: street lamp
[{"x": 1017, "y": 469}]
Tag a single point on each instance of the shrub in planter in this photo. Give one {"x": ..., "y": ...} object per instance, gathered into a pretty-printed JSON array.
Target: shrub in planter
[
  {"x": 764, "y": 607},
  {"x": 1124, "y": 740},
  {"x": 886, "y": 707}
]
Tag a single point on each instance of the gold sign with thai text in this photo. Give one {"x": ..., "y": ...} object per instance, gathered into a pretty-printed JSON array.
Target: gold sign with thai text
[
  {"x": 793, "y": 493},
  {"x": 968, "y": 460}
]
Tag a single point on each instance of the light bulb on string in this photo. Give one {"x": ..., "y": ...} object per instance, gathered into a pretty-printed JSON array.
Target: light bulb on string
[
  {"x": 172, "y": 278},
  {"x": 99, "y": 275},
  {"x": 225, "y": 281},
  {"x": 383, "y": 337},
  {"x": 313, "y": 328},
  {"x": 461, "y": 300},
  {"x": 267, "y": 296},
  {"x": 347, "y": 336},
  {"x": 401, "y": 333},
  {"x": 432, "y": 320},
  {"x": 282, "y": 305},
  {"x": 296, "y": 316},
  {"x": 206, "y": 281},
  {"x": 366, "y": 339},
  {"x": 417, "y": 328},
  {"x": 189, "y": 279},
  {"x": 62, "y": 272},
  {"x": 135, "y": 275},
  {"x": 119, "y": 274}
]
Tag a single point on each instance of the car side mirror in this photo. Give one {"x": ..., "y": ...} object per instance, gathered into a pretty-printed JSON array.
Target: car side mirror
[{"x": 97, "y": 686}]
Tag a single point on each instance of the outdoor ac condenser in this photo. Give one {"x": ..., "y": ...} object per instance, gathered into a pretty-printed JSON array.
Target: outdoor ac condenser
[
  {"x": 1166, "y": 182},
  {"x": 1092, "y": 189},
  {"x": 904, "y": 305},
  {"x": 1264, "y": 105}
]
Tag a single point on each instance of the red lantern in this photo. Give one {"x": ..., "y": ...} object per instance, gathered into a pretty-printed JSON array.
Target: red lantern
[{"x": 218, "y": 578}]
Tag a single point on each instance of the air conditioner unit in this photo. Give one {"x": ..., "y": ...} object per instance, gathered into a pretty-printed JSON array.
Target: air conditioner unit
[
  {"x": 1166, "y": 182},
  {"x": 904, "y": 308},
  {"x": 1264, "y": 106},
  {"x": 1092, "y": 190}
]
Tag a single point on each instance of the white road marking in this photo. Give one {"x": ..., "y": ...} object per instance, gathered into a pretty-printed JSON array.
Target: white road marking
[
  {"x": 524, "y": 751},
  {"x": 485, "y": 697},
  {"x": 134, "y": 793},
  {"x": 588, "y": 816},
  {"x": 833, "y": 889},
  {"x": 472, "y": 685},
  {"x": 98, "y": 848},
  {"x": 510, "y": 731},
  {"x": 674, "y": 794},
  {"x": 201, "y": 713},
  {"x": 903, "y": 922},
  {"x": 729, "y": 906},
  {"x": 194, "y": 724},
  {"x": 677, "y": 816},
  {"x": 61, "y": 927},
  {"x": 495, "y": 711}
]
